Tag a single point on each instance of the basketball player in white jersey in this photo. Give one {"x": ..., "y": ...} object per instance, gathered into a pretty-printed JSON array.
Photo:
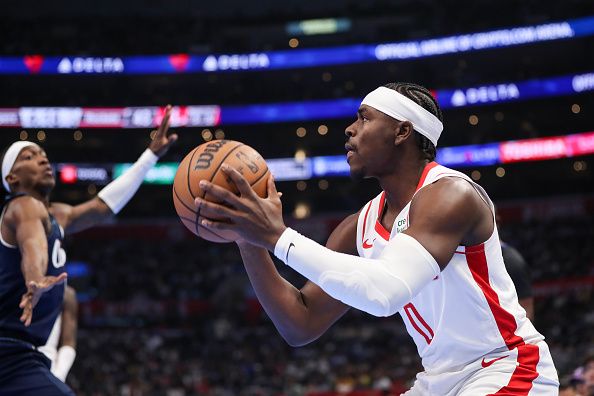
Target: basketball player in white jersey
[
  {"x": 426, "y": 247},
  {"x": 60, "y": 347}
]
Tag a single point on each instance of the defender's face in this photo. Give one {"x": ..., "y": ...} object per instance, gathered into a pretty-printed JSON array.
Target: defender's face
[
  {"x": 370, "y": 143},
  {"x": 32, "y": 169}
]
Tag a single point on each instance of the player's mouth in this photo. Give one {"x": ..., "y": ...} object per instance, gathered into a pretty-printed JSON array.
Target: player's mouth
[{"x": 350, "y": 150}]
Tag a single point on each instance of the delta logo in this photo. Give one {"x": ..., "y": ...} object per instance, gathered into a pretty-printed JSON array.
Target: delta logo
[{"x": 485, "y": 94}]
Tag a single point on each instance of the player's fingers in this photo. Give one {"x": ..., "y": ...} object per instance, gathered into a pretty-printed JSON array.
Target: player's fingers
[
  {"x": 24, "y": 300},
  {"x": 217, "y": 225},
  {"x": 244, "y": 188},
  {"x": 172, "y": 139},
  {"x": 52, "y": 281},
  {"x": 214, "y": 210},
  {"x": 26, "y": 316},
  {"x": 271, "y": 187},
  {"x": 61, "y": 278},
  {"x": 222, "y": 194},
  {"x": 164, "y": 126}
]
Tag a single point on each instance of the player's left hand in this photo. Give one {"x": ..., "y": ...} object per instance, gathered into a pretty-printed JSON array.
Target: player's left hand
[
  {"x": 34, "y": 291},
  {"x": 161, "y": 142},
  {"x": 258, "y": 221}
]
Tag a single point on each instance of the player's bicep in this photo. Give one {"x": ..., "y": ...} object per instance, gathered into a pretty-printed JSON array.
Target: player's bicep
[
  {"x": 27, "y": 217},
  {"x": 79, "y": 217}
]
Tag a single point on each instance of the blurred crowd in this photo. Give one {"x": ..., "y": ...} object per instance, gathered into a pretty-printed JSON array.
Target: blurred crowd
[{"x": 178, "y": 317}]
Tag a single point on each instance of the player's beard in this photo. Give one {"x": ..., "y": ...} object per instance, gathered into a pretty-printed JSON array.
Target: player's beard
[{"x": 357, "y": 174}]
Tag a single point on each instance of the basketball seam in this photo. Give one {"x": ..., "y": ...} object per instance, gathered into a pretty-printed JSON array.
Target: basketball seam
[
  {"x": 212, "y": 177},
  {"x": 188, "y": 173},
  {"x": 182, "y": 202},
  {"x": 212, "y": 232},
  {"x": 260, "y": 178}
]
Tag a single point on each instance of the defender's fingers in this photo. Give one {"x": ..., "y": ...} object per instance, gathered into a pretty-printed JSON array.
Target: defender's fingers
[
  {"x": 24, "y": 300},
  {"x": 164, "y": 126}
]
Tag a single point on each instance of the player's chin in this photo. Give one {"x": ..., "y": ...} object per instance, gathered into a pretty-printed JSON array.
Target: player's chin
[
  {"x": 357, "y": 173},
  {"x": 48, "y": 182}
]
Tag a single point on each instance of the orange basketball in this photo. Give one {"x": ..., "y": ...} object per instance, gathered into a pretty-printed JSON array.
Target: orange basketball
[{"x": 204, "y": 163}]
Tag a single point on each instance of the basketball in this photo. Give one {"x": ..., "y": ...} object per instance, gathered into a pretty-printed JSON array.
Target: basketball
[{"x": 204, "y": 163}]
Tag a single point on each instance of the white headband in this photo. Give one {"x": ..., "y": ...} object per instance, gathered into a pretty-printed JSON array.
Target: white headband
[
  {"x": 402, "y": 108},
  {"x": 10, "y": 157}
]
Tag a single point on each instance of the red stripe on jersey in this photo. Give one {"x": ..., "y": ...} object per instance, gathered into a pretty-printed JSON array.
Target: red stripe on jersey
[
  {"x": 365, "y": 222},
  {"x": 379, "y": 228},
  {"x": 414, "y": 309},
  {"x": 413, "y": 322},
  {"x": 506, "y": 323},
  {"x": 428, "y": 167},
  {"x": 520, "y": 382},
  {"x": 382, "y": 202}
]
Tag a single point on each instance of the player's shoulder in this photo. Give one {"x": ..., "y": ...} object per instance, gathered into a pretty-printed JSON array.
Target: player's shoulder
[
  {"x": 27, "y": 206},
  {"x": 450, "y": 201},
  {"x": 24, "y": 208},
  {"x": 447, "y": 192}
]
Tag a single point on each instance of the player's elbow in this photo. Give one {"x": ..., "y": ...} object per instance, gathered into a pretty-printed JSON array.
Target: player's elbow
[
  {"x": 298, "y": 337},
  {"x": 296, "y": 342}
]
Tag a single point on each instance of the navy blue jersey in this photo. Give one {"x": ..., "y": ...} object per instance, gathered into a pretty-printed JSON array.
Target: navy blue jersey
[{"x": 12, "y": 288}]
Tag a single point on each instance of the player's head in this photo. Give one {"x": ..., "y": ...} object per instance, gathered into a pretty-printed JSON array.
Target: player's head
[
  {"x": 25, "y": 168},
  {"x": 422, "y": 96},
  {"x": 387, "y": 118}
]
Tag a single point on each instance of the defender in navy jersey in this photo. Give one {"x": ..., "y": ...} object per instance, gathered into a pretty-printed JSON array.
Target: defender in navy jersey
[{"x": 32, "y": 260}]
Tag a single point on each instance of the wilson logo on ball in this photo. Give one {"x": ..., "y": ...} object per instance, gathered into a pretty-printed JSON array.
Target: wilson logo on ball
[{"x": 205, "y": 158}]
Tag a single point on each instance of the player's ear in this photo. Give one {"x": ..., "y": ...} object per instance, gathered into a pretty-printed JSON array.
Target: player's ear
[
  {"x": 402, "y": 131},
  {"x": 11, "y": 178}
]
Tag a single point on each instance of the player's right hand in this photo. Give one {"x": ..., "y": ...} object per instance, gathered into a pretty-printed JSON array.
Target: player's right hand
[{"x": 34, "y": 291}]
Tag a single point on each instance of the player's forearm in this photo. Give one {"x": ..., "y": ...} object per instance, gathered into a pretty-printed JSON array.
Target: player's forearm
[
  {"x": 33, "y": 262},
  {"x": 117, "y": 193},
  {"x": 379, "y": 286},
  {"x": 282, "y": 301}
]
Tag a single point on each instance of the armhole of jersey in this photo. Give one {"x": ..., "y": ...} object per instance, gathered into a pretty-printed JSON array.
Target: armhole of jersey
[{"x": 6, "y": 244}]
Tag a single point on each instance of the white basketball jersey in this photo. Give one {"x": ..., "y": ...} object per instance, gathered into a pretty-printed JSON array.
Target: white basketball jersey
[{"x": 470, "y": 309}]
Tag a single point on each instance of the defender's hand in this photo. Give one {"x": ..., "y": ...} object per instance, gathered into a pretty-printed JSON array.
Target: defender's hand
[
  {"x": 34, "y": 291},
  {"x": 161, "y": 143}
]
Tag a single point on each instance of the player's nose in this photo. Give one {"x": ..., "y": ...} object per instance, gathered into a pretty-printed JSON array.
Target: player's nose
[{"x": 350, "y": 130}]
